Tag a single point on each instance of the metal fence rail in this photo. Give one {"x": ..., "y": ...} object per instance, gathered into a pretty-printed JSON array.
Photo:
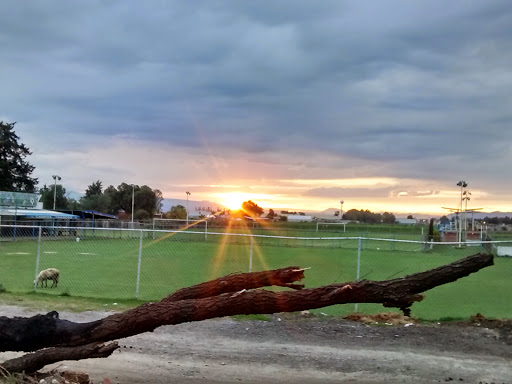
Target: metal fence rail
[{"x": 148, "y": 264}]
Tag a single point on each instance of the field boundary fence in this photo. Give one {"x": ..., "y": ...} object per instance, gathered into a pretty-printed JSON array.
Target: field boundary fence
[{"x": 148, "y": 264}]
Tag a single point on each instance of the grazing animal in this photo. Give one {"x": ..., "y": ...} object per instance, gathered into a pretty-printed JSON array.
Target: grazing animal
[{"x": 48, "y": 274}]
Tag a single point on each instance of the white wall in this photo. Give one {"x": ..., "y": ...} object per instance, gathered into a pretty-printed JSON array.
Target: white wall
[
  {"x": 406, "y": 221},
  {"x": 298, "y": 218},
  {"x": 504, "y": 251}
]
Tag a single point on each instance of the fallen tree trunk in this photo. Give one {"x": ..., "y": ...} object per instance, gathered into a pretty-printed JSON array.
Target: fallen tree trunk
[
  {"x": 34, "y": 361},
  {"x": 223, "y": 297}
]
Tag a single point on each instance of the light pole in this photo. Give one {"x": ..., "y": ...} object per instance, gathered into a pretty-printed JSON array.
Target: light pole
[
  {"x": 341, "y": 211},
  {"x": 462, "y": 184},
  {"x": 55, "y": 178},
  {"x": 188, "y": 194},
  {"x": 466, "y": 197},
  {"x": 133, "y": 201}
]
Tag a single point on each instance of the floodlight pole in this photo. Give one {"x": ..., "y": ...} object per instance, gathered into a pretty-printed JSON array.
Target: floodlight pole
[
  {"x": 133, "y": 201},
  {"x": 55, "y": 178},
  {"x": 466, "y": 198},
  {"x": 188, "y": 194},
  {"x": 462, "y": 184}
]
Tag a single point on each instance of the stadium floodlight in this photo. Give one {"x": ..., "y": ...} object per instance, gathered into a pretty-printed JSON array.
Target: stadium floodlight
[
  {"x": 55, "y": 178},
  {"x": 188, "y": 194}
]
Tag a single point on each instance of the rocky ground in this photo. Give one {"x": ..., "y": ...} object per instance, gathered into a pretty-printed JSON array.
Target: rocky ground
[{"x": 302, "y": 349}]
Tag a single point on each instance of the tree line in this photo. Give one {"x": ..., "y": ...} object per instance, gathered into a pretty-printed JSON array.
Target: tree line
[
  {"x": 497, "y": 220},
  {"x": 146, "y": 201},
  {"x": 368, "y": 217}
]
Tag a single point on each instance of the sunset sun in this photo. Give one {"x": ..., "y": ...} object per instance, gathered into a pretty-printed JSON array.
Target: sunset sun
[{"x": 234, "y": 200}]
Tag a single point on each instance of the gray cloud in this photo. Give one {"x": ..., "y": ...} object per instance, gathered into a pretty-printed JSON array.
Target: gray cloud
[
  {"x": 413, "y": 89},
  {"x": 347, "y": 193}
]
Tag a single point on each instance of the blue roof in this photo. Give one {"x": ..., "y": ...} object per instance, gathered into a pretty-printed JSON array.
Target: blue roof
[
  {"x": 38, "y": 214},
  {"x": 89, "y": 214},
  {"x": 101, "y": 214}
]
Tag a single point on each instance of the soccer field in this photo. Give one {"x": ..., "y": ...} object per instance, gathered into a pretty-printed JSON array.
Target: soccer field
[{"x": 109, "y": 267}]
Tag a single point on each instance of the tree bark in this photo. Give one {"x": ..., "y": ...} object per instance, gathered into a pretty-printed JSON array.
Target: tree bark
[
  {"x": 235, "y": 282},
  {"x": 31, "y": 362},
  {"x": 222, "y": 297}
]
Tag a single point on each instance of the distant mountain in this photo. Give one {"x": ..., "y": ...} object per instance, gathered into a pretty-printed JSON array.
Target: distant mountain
[
  {"x": 483, "y": 215},
  {"x": 74, "y": 195}
]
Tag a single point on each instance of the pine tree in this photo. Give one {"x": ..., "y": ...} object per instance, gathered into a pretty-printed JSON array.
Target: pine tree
[{"x": 14, "y": 170}]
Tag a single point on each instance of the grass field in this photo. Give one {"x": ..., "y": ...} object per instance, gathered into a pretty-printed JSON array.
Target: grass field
[{"x": 107, "y": 267}]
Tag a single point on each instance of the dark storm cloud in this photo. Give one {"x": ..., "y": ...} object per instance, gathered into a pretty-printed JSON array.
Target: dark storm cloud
[{"x": 396, "y": 81}]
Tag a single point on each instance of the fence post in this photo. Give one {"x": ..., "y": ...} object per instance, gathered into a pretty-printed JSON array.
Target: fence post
[
  {"x": 250, "y": 254},
  {"x": 358, "y": 263},
  {"x": 206, "y": 230},
  {"x": 37, "y": 256},
  {"x": 138, "y": 266}
]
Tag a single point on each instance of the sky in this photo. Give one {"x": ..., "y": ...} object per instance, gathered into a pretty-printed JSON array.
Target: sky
[{"x": 384, "y": 105}]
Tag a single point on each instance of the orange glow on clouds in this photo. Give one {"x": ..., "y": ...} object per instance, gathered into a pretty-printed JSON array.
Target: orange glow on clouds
[{"x": 234, "y": 200}]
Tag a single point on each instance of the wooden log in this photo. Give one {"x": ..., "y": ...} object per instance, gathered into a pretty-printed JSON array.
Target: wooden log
[{"x": 32, "y": 362}]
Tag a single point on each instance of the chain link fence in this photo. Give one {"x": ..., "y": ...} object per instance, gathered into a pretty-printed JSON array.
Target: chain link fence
[{"x": 149, "y": 264}]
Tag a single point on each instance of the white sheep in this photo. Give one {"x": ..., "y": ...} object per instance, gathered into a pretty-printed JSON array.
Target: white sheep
[{"x": 48, "y": 274}]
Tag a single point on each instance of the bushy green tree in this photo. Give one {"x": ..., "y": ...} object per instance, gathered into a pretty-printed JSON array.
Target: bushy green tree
[
  {"x": 142, "y": 214},
  {"x": 100, "y": 203},
  {"x": 368, "y": 217},
  {"x": 388, "y": 218},
  {"x": 159, "y": 198},
  {"x": 176, "y": 212},
  {"x": 146, "y": 199},
  {"x": 94, "y": 189},
  {"x": 47, "y": 197},
  {"x": 15, "y": 171},
  {"x": 252, "y": 209},
  {"x": 112, "y": 199},
  {"x": 351, "y": 215}
]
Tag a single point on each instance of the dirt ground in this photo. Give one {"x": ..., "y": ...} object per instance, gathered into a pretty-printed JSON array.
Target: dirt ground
[{"x": 301, "y": 349}]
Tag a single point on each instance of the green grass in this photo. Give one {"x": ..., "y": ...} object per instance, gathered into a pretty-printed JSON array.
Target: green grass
[
  {"x": 51, "y": 302},
  {"x": 107, "y": 268}
]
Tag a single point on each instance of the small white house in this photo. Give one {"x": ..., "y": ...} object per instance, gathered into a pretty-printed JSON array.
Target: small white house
[{"x": 299, "y": 218}]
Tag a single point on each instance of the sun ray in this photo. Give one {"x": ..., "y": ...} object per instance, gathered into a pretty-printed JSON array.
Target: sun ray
[
  {"x": 217, "y": 261},
  {"x": 220, "y": 254},
  {"x": 170, "y": 234}
]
